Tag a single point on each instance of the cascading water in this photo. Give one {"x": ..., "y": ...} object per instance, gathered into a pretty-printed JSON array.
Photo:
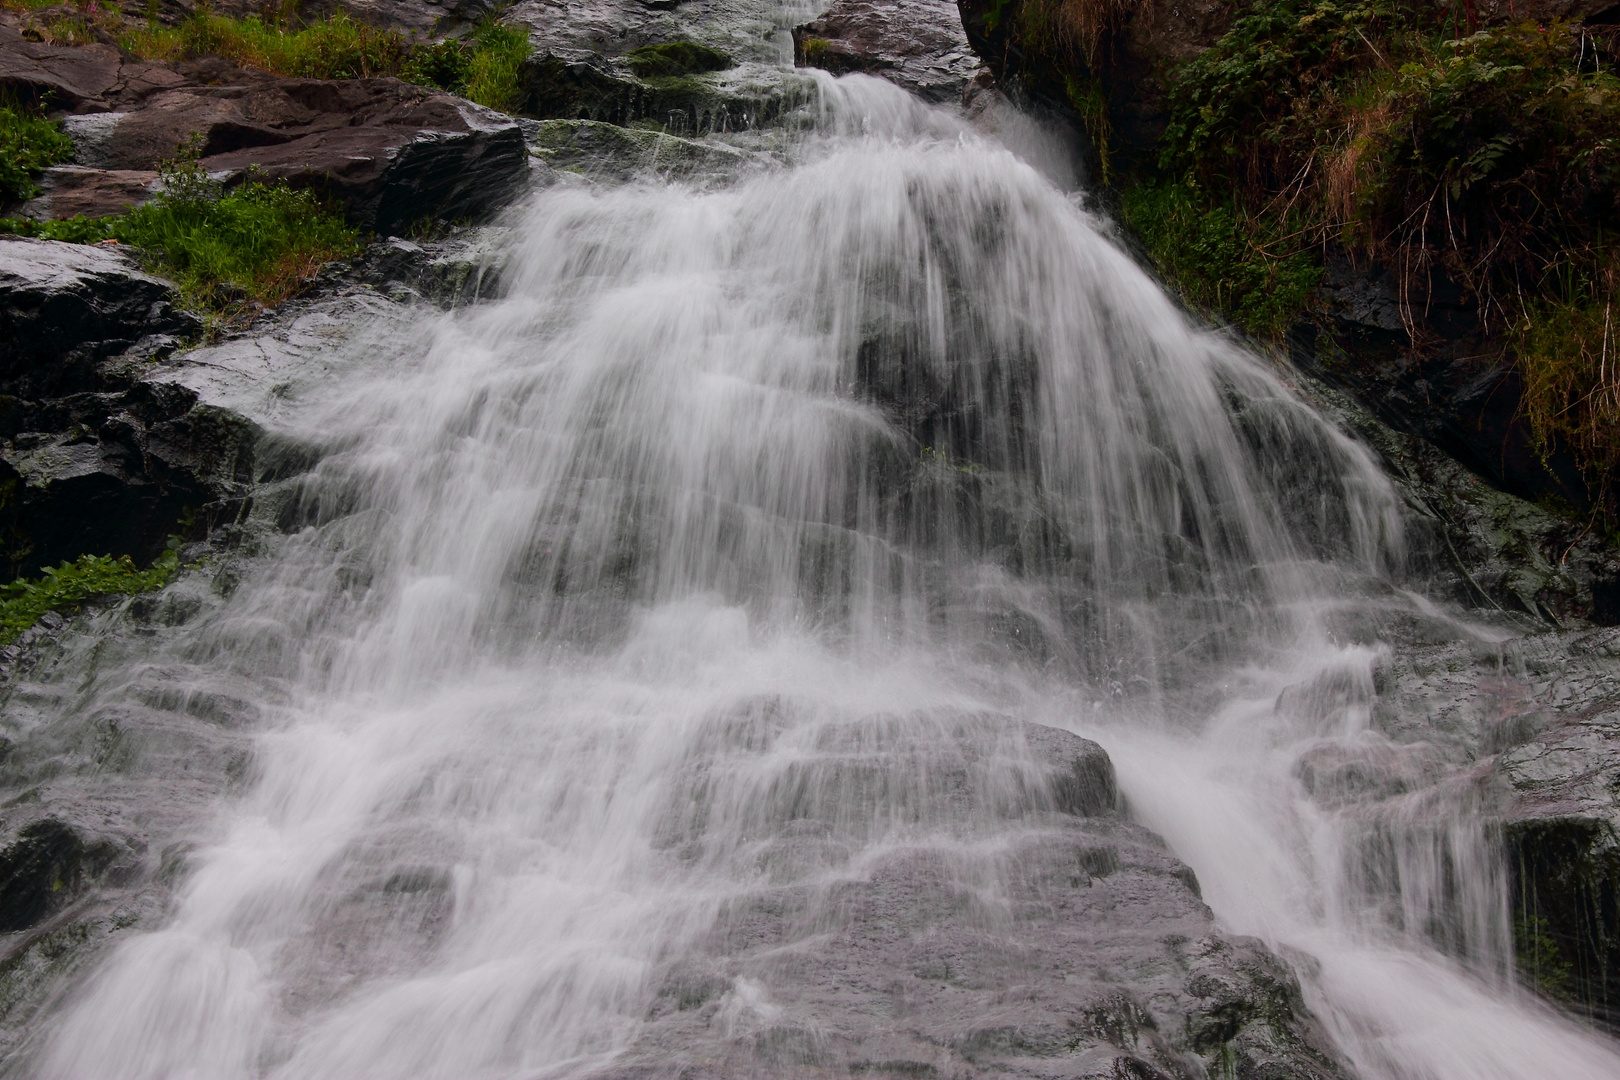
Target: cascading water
[{"x": 714, "y": 554}]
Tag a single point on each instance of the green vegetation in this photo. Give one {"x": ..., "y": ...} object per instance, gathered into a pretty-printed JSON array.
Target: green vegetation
[
  {"x": 1393, "y": 133},
  {"x": 28, "y": 143},
  {"x": 674, "y": 58},
  {"x": 66, "y": 587},
  {"x": 334, "y": 48},
  {"x": 482, "y": 68},
  {"x": 1222, "y": 257},
  {"x": 231, "y": 253},
  {"x": 815, "y": 48},
  {"x": 1541, "y": 963}
]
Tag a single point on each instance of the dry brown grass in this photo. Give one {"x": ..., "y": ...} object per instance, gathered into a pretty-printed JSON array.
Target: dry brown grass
[{"x": 1079, "y": 28}]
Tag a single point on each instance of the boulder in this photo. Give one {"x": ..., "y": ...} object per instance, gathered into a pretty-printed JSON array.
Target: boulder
[
  {"x": 390, "y": 152},
  {"x": 63, "y": 307},
  {"x": 918, "y": 44}
]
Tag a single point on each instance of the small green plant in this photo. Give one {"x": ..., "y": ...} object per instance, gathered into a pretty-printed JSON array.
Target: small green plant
[
  {"x": 66, "y": 587},
  {"x": 483, "y": 68},
  {"x": 1541, "y": 963},
  {"x": 444, "y": 64},
  {"x": 234, "y": 252},
  {"x": 74, "y": 230},
  {"x": 28, "y": 143},
  {"x": 498, "y": 52},
  {"x": 815, "y": 48}
]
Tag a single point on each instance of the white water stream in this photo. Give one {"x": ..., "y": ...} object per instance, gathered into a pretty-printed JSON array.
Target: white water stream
[{"x": 889, "y": 435}]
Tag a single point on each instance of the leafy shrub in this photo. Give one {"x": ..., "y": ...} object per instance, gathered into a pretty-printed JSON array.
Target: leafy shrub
[
  {"x": 445, "y": 64},
  {"x": 28, "y": 143},
  {"x": 66, "y": 587}
]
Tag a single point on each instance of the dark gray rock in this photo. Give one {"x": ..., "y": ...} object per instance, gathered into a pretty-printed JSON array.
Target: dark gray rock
[
  {"x": 1461, "y": 392},
  {"x": 63, "y": 307},
  {"x": 1479, "y": 546},
  {"x": 44, "y": 868},
  {"x": 555, "y": 87},
  {"x": 601, "y": 151},
  {"x": 917, "y": 44},
  {"x": 113, "y": 473}
]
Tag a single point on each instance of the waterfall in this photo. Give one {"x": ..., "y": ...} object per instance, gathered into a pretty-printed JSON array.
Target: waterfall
[{"x": 715, "y": 554}]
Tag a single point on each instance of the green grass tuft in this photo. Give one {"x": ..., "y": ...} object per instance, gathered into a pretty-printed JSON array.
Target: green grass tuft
[
  {"x": 1222, "y": 259},
  {"x": 28, "y": 143},
  {"x": 498, "y": 52},
  {"x": 333, "y": 48},
  {"x": 230, "y": 252},
  {"x": 66, "y": 587}
]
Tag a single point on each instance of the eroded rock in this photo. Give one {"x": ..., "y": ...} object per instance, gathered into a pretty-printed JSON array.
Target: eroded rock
[{"x": 917, "y": 44}]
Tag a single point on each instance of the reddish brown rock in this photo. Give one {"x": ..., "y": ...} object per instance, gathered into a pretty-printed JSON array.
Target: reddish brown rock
[
  {"x": 390, "y": 152},
  {"x": 75, "y": 191}
]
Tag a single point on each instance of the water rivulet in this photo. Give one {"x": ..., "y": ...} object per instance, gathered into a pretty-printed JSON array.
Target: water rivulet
[{"x": 669, "y": 669}]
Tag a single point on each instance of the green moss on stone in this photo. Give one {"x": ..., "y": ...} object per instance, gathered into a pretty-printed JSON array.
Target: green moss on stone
[{"x": 676, "y": 58}]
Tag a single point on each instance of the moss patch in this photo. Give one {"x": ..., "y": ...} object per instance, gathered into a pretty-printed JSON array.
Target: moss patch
[{"x": 676, "y": 58}]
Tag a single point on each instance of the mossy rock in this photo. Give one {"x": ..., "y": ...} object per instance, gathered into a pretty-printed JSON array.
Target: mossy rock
[{"x": 676, "y": 58}]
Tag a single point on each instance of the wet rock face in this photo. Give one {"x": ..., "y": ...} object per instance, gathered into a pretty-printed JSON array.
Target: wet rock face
[
  {"x": 44, "y": 868},
  {"x": 1523, "y": 735},
  {"x": 1561, "y": 815},
  {"x": 1080, "y": 949},
  {"x": 93, "y": 460},
  {"x": 63, "y": 307},
  {"x": 1473, "y": 544},
  {"x": 1132, "y": 61},
  {"x": 1460, "y": 393},
  {"x": 917, "y": 44}
]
